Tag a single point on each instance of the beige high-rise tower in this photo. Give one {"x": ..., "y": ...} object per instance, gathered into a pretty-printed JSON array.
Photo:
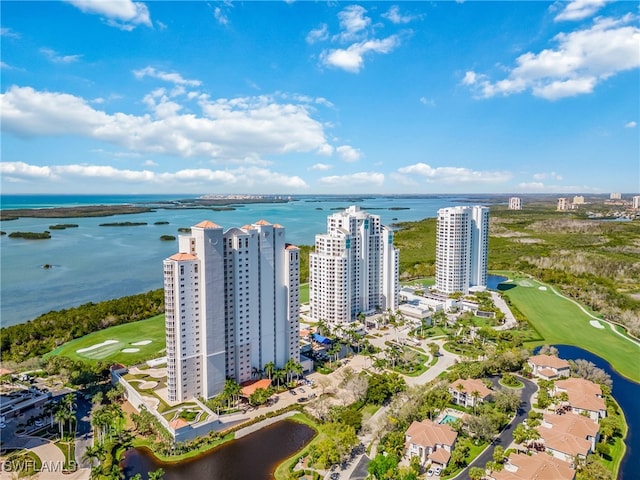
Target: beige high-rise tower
[{"x": 231, "y": 305}]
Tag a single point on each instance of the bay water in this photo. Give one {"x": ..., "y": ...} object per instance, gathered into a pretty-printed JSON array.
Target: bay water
[{"x": 92, "y": 263}]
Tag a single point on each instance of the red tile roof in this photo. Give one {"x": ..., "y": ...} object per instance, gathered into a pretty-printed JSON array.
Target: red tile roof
[
  {"x": 207, "y": 224},
  {"x": 549, "y": 361},
  {"x": 251, "y": 386},
  {"x": 536, "y": 467},
  {"x": 262, "y": 222},
  {"x": 183, "y": 256},
  {"x": 471, "y": 385},
  {"x": 583, "y": 394},
  {"x": 428, "y": 434}
]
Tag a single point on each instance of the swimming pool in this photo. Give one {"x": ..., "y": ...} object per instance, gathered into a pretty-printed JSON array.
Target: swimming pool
[{"x": 448, "y": 419}]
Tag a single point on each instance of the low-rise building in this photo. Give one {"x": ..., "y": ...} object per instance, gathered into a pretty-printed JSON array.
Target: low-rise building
[
  {"x": 534, "y": 467},
  {"x": 548, "y": 367},
  {"x": 467, "y": 392},
  {"x": 584, "y": 396},
  {"x": 568, "y": 436},
  {"x": 430, "y": 441}
]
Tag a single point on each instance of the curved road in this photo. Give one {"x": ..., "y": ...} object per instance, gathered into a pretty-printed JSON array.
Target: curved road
[{"x": 505, "y": 437}]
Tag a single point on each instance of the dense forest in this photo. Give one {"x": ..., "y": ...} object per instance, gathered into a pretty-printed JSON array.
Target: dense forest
[{"x": 48, "y": 331}]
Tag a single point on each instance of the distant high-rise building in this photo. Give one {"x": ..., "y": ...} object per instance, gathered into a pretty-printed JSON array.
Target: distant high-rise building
[
  {"x": 231, "y": 306},
  {"x": 515, "y": 203},
  {"x": 578, "y": 200},
  {"x": 635, "y": 202},
  {"x": 563, "y": 204},
  {"x": 615, "y": 196},
  {"x": 462, "y": 248},
  {"x": 354, "y": 268}
]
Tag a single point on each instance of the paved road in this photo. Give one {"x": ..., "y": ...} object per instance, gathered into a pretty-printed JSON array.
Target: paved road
[{"x": 505, "y": 438}]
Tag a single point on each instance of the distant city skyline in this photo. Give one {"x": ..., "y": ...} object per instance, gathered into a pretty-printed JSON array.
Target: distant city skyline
[{"x": 298, "y": 97}]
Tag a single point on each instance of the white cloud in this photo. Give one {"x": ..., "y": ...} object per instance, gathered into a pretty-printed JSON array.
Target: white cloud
[
  {"x": 348, "y": 153},
  {"x": 354, "y": 179},
  {"x": 532, "y": 186},
  {"x": 318, "y": 34},
  {"x": 220, "y": 16},
  {"x": 55, "y": 57},
  {"x": 23, "y": 170},
  {"x": 205, "y": 178},
  {"x": 540, "y": 187},
  {"x": 428, "y": 101},
  {"x": 150, "y": 163},
  {"x": 321, "y": 167},
  {"x": 631, "y": 124},
  {"x": 122, "y": 14},
  {"x": 470, "y": 78},
  {"x": 394, "y": 15},
  {"x": 451, "y": 175},
  {"x": 582, "y": 59},
  {"x": 580, "y": 9},
  {"x": 351, "y": 59},
  {"x": 226, "y": 130},
  {"x": 544, "y": 176},
  {"x": 7, "y": 32},
  {"x": 166, "y": 76},
  {"x": 352, "y": 21}
]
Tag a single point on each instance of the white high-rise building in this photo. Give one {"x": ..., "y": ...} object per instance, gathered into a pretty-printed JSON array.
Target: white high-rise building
[
  {"x": 515, "y": 203},
  {"x": 354, "y": 268},
  {"x": 231, "y": 306},
  {"x": 462, "y": 248},
  {"x": 635, "y": 202}
]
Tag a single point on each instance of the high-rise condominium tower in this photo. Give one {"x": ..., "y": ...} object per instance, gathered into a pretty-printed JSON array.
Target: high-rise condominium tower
[
  {"x": 354, "y": 268},
  {"x": 231, "y": 305},
  {"x": 462, "y": 248}
]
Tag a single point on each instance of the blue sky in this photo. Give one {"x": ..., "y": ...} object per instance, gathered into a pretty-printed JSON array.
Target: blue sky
[{"x": 320, "y": 97}]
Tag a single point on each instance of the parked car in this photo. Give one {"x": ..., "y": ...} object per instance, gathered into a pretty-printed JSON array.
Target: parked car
[
  {"x": 437, "y": 470},
  {"x": 430, "y": 473}
]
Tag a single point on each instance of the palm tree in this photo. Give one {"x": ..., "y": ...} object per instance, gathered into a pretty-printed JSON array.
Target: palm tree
[
  {"x": 256, "y": 372},
  {"x": 279, "y": 375},
  {"x": 91, "y": 454},
  {"x": 298, "y": 369},
  {"x": 475, "y": 395},
  {"x": 232, "y": 389},
  {"x": 288, "y": 368},
  {"x": 60, "y": 416},
  {"x": 269, "y": 369}
]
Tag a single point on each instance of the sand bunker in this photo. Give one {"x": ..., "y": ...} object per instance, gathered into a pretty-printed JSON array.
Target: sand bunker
[
  {"x": 130, "y": 350},
  {"x": 542, "y": 288},
  {"x": 143, "y": 342},
  {"x": 97, "y": 345},
  {"x": 596, "y": 324}
]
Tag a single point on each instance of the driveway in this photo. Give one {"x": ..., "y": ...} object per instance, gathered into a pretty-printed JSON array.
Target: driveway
[{"x": 505, "y": 438}]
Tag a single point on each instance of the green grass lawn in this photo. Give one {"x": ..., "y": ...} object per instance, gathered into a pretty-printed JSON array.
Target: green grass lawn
[
  {"x": 304, "y": 293},
  {"x": 425, "y": 282},
  {"x": 119, "y": 338},
  {"x": 560, "y": 321}
]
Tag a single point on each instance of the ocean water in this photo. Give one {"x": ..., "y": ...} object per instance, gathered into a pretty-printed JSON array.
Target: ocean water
[{"x": 93, "y": 263}]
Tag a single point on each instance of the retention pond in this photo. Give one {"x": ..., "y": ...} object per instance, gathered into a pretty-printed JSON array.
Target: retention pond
[{"x": 255, "y": 456}]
